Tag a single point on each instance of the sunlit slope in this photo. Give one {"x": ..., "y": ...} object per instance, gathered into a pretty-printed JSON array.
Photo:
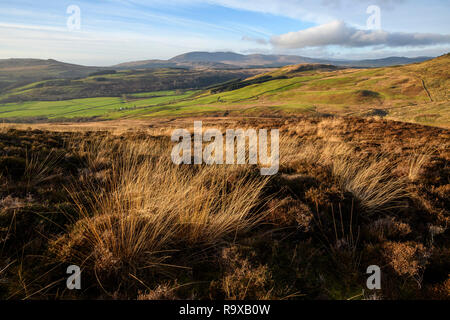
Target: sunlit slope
[
  {"x": 413, "y": 93},
  {"x": 109, "y": 83},
  {"x": 417, "y": 92},
  {"x": 102, "y": 107}
]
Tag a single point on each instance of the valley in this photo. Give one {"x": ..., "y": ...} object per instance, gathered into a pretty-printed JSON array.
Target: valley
[{"x": 413, "y": 93}]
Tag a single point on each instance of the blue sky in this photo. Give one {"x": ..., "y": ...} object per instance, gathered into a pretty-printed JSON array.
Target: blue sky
[{"x": 113, "y": 31}]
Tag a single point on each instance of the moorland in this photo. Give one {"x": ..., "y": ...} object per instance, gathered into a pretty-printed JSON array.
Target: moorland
[{"x": 363, "y": 180}]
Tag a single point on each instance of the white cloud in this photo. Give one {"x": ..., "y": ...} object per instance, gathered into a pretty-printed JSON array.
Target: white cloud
[{"x": 341, "y": 34}]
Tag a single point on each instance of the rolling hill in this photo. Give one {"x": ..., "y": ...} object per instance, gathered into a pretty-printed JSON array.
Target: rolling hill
[
  {"x": 414, "y": 93},
  {"x": 17, "y": 72},
  {"x": 234, "y": 60},
  {"x": 114, "y": 84}
]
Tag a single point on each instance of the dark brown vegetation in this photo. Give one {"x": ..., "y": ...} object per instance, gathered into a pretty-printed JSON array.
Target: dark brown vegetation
[
  {"x": 350, "y": 193},
  {"x": 108, "y": 84}
]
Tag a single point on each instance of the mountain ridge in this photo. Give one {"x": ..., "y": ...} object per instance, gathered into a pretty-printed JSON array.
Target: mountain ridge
[
  {"x": 208, "y": 60},
  {"x": 236, "y": 60}
]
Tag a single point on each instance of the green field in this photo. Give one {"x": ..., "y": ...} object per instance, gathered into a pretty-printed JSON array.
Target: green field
[{"x": 106, "y": 107}]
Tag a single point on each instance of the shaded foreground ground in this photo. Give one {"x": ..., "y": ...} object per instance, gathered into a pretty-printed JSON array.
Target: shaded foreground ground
[{"x": 350, "y": 193}]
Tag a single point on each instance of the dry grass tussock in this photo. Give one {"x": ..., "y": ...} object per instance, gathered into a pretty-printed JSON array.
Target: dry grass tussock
[
  {"x": 152, "y": 206},
  {"x": 417, "y": 161},
  {"x": 369, "y": 179},
  {"x": 38, "y": 170}
]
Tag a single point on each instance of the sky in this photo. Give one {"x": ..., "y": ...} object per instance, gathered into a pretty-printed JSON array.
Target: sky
[{"x": 107, "y": 32}]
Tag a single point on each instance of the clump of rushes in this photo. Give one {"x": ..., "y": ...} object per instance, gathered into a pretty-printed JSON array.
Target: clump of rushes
[
  {"x": 417, "y": 162},
  {"x": 153, "y": 207},
  {"x": 369, "y": 179}
]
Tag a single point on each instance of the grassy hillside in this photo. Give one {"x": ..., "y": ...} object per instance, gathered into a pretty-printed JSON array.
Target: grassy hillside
[
  {"x": 114, "y": 84},
  {"x": 18, "y": 72},
  {"x": 413, "y": 93},
  {"x": 416, "y": 93}
]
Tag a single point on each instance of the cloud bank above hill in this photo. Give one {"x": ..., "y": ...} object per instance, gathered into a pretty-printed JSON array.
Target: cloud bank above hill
[{"x": 341, "y": 34}]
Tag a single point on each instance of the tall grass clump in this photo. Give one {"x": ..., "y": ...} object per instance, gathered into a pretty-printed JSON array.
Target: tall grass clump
[
  {"x": 150, "y": 207},
  {"x": 417, "y": 161},
  {"x": 371, "y": 182},
  {"x": 38, "y": 169},
  {"x": 369, "y": 179}
]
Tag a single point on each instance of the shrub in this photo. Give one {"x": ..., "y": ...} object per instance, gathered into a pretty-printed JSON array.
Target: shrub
[
  {"x": 407, "y": 258},
  {"x": 290, "y": 212},
  {"x": 242, "y": 280}
]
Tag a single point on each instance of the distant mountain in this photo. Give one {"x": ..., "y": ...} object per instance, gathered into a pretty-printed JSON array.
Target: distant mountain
[
  {"x": 231, "y": 60},
  {"x": 221, "y": 57},
  {"x": 145, "y": 64}
]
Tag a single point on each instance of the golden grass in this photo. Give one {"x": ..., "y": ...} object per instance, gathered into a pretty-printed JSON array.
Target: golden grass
[
  {"x": 417, "y": 161},
  {"x": 153, "y": 206},
  {"x": 143, "y": 222},
  {"x": 371, "y": 182},
  {"x": 38, "y": 170},
  {"x": 370, "y": 179}
]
